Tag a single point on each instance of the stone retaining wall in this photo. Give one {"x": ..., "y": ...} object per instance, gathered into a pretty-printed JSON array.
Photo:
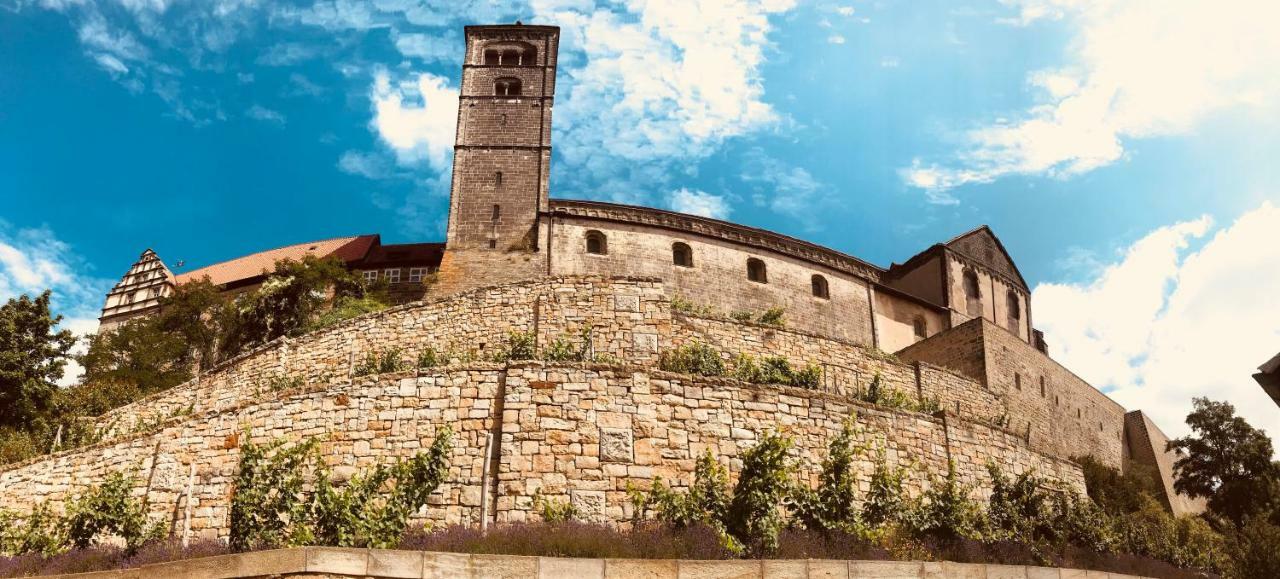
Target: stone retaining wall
[
  {"x": 333, "y": 563},
  {"x": 576, "y": 431}
]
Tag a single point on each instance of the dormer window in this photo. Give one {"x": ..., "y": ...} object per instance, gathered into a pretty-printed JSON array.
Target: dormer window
[
  {"x": 506, "y": 86},
  {"x": 920, "y": 327}
]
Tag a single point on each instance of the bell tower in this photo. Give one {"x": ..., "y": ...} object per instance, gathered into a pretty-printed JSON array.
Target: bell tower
[{"x": 502, "y": 151}]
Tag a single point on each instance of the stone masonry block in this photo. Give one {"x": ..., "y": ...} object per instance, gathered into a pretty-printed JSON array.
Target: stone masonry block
[{"x": 616, "y": 445}]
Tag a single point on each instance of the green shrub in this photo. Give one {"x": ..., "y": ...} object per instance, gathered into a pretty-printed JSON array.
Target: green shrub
[
  {"x": 692, "y": 358},
  {"x": 429, "y": 358},
  {"x": 833, "y": 505},
  {"x": 754, "y": 518},
  {"x": 345, "y": 308},
  {"x": 946, "y": 512},
  {"x": 267, "y": 492},
  {"x": 384, "y": 362},
  {"x": 706, "y": 501},
  {"x": 554, "y": 511},
  {"x": 562, "y": 350},
  {"x": 742, "y": 315},
  {"x": 40, "y": 533},
  {"x": 110, "y": 509},
  {"x": 881, "y": 395},
  {"x": 1257, "y": 549},
  {"x": 519, "y": 346},
  {"x": 773, "y": 317},
  {"x": 684, "y": 306},
  {"x": 808, "y": 377},
  {"x": 887, "y": 500},
  {"x": 273, "y": 505},
  {"x": 281, "y": 383}
]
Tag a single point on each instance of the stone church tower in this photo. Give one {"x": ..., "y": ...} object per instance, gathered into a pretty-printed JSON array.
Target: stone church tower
[{"x": 502, "y": 156}]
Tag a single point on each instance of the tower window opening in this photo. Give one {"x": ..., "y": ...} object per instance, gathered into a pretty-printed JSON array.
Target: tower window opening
[
  {"x": 820, "y": 289},
  {"x": 492, "y": 57},
  {"x": 497, "y": 179},
  {"x": 681, "y": 254},
  {"x": 497, "y": 211},
  {"x": 1017, "y": 380},
  {"x": 1042, "y": 386},
  {"x": 756, "y": 271},
  {"x": 502, "y": 120},
  {"x": 597, "y": 243},
  {"x": 506, "y": 86},
  {"x": 493, "y": 244},
  {"x": 1078, "y": 413},
  {"x": 1015, "y": 310},
  {"x": 972, "y": 293},
  {"x": 921, "y": 327}
]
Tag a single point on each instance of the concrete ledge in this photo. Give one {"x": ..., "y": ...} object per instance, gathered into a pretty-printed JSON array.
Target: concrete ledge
[{"x": 338, "y": 563}]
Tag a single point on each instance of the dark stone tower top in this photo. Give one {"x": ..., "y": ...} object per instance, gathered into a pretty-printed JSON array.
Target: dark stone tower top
[{"x": 502, "y": 152}]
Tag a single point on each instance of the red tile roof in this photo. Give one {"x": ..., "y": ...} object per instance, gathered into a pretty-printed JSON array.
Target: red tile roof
[{"x": 348, "y": 249}]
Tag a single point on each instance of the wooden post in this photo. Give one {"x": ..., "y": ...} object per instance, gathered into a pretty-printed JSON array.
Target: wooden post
[
  {"x": 186, "y": 518},
  {"x": 57, "y": 440},
  {"x": 484, "y": 483}
]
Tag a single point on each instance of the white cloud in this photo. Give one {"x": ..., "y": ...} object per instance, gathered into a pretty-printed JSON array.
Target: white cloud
[
  {"x": 1137, "y": 69},
  {"x": 261, "y": 113},
  {"x": 889, "y": 62},
  {"x": 844, "y": 10},
  {"x": 661, "y": 84},
  {"x": 783, "y": 188},
  {"x": 417, "y": 118},
  {"x": 287, "y": 53},
  {"x": 430, "y": 48},
  {"x": 34, "y": 260},
  {"x": 1167, "y": 322},
  {"x": 696, "y": 202},
  {"x": 367, "y": 165},
  {"x": 835, "y": 39}
]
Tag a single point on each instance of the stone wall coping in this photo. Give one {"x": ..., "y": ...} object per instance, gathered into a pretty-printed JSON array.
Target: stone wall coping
[
  {"x": 391, "y": 564},
  {"x": 690, "y": 379}
]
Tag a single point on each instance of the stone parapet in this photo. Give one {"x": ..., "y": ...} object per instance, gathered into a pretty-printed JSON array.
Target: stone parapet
[{"x": 336, "y": 563}]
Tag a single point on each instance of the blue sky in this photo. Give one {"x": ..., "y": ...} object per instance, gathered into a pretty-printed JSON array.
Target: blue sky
[{"x": 1078, "y": 129}]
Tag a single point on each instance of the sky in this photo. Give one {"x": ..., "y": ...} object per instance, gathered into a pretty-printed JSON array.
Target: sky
[{"x": 1123, "y": 150}]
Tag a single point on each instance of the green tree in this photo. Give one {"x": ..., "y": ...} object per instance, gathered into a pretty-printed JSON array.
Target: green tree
[
  {"x": 32, "y": 355},
  {"x": 1226, "y": 461}
]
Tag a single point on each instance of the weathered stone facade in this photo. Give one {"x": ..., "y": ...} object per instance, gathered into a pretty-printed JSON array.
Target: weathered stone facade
[{"x": 572, "y": 430}]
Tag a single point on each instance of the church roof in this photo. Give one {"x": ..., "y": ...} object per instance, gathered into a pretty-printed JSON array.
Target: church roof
[{"x": 347, "y": 249}]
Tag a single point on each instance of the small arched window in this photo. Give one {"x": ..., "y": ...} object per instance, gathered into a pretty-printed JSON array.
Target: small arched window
[
  {"x": 506, "y": 86},
  {"x": 597, "y": 243},
  {"x": 820, "y": 289},
  {"x": 972, "y": 293},
  {"x": 921, "y": 327},
  {"x": 681, "y": 254},
  {"x": 756, "y": 271},
  {"x": 1015, "y": 310}
]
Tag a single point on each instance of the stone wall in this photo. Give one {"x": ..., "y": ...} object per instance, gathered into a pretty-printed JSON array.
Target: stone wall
[
  {"x": 582, "y": 432},
  {"x": 1060, "y": 413},
  {"x": 624, "y": 315}
]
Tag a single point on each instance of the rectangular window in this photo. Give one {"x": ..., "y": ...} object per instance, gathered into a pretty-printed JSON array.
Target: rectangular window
[
  {"x": 371, "y": 276},
  {"x": 1017, "y": 380},
  {"x": 416, "y": 274},
  {"x": 497, "y": 179},
  {"x": 497, "y": 211},
  {"x": 1042, "y": 386},
  {"x": 392, "y": 275}
]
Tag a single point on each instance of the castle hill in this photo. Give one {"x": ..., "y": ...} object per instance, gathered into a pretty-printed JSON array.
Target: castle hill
[{"x": 562, "y": 384}]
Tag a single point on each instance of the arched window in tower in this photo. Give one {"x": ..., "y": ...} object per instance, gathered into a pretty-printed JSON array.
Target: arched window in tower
[
  {"x": 819, "y": 286},
  {"x": 756, "y": 271},
  {"x": 972, "y": 293},
  {"x": 921, "y": 327},
  {"x": 681, "y": 254},
  {"x": 506, "y": 86},
  {"x": 1015, "y": 311},
  {"x": 511, "y": 54},
  {"x": 596, "y": 243}
]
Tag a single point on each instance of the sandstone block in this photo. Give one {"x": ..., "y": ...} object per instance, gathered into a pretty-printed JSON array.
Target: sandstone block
[
  {"x": 556, "y": 568},
  {"x": 640, "y": 569}
]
